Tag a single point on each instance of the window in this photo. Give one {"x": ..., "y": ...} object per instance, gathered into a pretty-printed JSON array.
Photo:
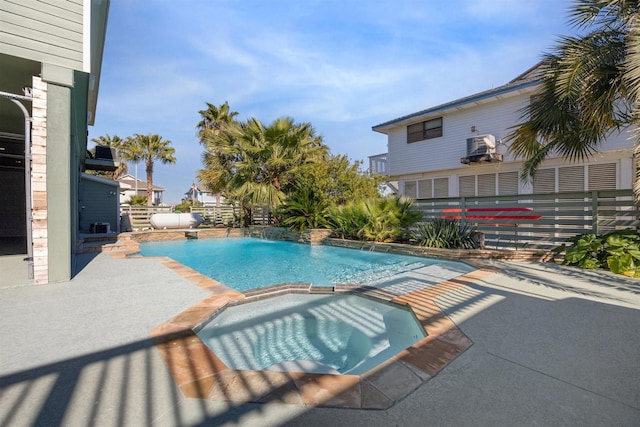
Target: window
[
  {"x": 571, "y": 178},
  {"x": 467, "y": 185},
  {"x": 410, "y": 189},
  {"x": 441, "y": 187},
  {"x": 487, "y": 184},
  {"x": 425, "y": 189},
  {"x": 545, "y": 181},
  {"x": 602, "y": 177},
  {"x": 507, "y": 183},
  {"x": 424, "y": 130}
]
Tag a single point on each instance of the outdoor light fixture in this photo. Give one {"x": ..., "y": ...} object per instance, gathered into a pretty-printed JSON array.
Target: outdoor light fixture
[{"x": 501, "y": 148}]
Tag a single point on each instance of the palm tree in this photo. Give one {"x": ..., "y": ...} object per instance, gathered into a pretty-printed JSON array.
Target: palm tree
[
  {"x": 215, "y": 120},
  {"x": 590, "y": 87},
  {"x": 150, "y": 148},
  {"x": 252, "y": 162},
  {"x": 120, "y": 145},
  {"x": 269, "y": 155}
]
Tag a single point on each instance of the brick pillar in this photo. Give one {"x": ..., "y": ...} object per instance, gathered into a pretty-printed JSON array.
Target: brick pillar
[{"x": 39, "y": 182}]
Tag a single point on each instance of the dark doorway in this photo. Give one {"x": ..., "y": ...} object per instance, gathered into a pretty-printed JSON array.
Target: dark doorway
[{"x": 13, "y": 229}]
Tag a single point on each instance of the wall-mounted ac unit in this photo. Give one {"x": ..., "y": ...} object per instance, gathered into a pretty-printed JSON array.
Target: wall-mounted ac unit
[
  {"x": 481, "y": 144},
  {"x": 481, "y": 148}
]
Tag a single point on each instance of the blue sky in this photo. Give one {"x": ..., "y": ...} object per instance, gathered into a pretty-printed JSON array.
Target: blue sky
[{"x": 343, "y": 66}]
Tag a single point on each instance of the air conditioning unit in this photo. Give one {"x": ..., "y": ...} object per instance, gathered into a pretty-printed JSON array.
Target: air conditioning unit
[
  {"x": 480, "y": 145},
  {"x": 481, "y": 148}
]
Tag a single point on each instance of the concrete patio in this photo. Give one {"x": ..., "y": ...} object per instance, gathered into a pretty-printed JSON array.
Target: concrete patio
[{"x": 551, "y": 346}]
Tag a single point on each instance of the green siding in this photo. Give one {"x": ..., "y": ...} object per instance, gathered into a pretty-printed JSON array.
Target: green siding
[
  {"x": 59, "y": 182},
  {"x": 43, "y": 31},
  {"x": 99, "y": 203}
]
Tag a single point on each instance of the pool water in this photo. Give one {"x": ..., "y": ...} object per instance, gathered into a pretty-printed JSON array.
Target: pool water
[
  {"x": 335, "y": 334},
  {"x": 248, "y": 263}
]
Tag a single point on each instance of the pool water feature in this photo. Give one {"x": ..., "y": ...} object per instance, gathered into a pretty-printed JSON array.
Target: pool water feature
[
  {"x": 325, "y": 334},
  {"x": 248, "y": 263}
]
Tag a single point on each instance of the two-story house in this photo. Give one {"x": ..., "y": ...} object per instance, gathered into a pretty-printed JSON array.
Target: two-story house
[
  {"x": 460, "y": 149},
  {"x": 50, "y": 61},
  {"x": 130, "y": 185},
  {"x": 200, "y": 194}
]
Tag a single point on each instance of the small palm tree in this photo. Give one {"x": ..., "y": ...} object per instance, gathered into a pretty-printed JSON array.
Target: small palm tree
[
  {"x": 150, "y": 148},
  {"x": 269, "y": 155},
  {"x": 303, "y": 210},
  {"x": 138, "y": 200}
]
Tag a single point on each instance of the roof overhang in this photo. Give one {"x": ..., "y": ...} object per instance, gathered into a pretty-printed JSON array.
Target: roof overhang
[
  {"x": 101, "y": 180},
  {"x": 104, "y": 165},
  {"x": 96, "y": 15},
  {"x": 492, "y": 95}
]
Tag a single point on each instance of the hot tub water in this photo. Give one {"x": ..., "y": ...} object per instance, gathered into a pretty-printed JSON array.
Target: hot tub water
[{"x": 311, "y": 333}]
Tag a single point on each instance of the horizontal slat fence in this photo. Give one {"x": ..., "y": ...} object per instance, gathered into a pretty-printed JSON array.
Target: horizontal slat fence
[
  {"x": 216, "y": 216},
  {"x": 213, "y": 216},
  {"x": 507, "y": 222},
  {"x": 140, "y": 216}
]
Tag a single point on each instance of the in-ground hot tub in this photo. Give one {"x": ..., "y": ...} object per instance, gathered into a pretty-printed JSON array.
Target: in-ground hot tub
[{"x": 316, "y": 333}]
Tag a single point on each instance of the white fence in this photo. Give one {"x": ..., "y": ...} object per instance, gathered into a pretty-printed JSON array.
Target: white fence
[{"x": 139, "y": 217}]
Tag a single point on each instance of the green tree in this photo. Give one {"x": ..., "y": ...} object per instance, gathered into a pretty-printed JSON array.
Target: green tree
[
  {"x": 253, "y": 163},
  {"x": 318, "y": 186},
  {"x": 120, "y": 145},
  {"x": 590, "y": 86},
  {"x": 336, "y": 181},
  {"x": 150, "y": 148}
]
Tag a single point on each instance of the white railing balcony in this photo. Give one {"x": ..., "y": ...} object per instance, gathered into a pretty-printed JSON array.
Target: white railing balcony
[{"x": 378, "y": 164}]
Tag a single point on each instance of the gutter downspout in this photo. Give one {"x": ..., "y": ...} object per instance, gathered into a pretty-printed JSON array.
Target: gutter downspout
[{"x": 27, "y": 172}]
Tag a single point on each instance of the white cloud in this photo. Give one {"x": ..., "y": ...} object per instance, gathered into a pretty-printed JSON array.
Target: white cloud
[{"x": 343, "y": 66}]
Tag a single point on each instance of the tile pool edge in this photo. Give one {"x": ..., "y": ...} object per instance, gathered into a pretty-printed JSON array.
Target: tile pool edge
[{"x": 199, "y": 373}]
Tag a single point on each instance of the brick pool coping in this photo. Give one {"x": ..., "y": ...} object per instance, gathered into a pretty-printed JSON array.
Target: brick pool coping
[{"x": 199, "y": 373}]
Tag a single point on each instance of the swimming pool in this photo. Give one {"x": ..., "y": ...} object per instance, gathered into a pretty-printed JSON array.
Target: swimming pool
[{"x": 248, "y": 263}]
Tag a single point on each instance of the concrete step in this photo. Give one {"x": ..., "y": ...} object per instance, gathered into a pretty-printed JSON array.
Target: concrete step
[{"x": 107, "y": 244}]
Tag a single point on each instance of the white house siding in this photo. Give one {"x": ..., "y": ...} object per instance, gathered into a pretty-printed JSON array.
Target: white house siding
[
  {"x": 605, "y": 170},
  {"x": 445, "y": 152},
  {"x": 48, "y": 32},
  {"x": 418, "y": 166}
]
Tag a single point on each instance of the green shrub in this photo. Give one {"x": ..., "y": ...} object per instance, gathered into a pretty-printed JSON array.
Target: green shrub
[
  {"x": 348, "y": 221},
  {"x": 185, "y": 206},
  {"x": 618, "y": 251},
  {"x": 384, "y": 219},
  {"x": 444, "y": 233},
  {"x": 138, "y": 200},
  {"x": 303, "y": 210}
]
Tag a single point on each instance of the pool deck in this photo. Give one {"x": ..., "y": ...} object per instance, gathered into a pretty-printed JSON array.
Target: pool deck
[{"x": 551, "y": 346}]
